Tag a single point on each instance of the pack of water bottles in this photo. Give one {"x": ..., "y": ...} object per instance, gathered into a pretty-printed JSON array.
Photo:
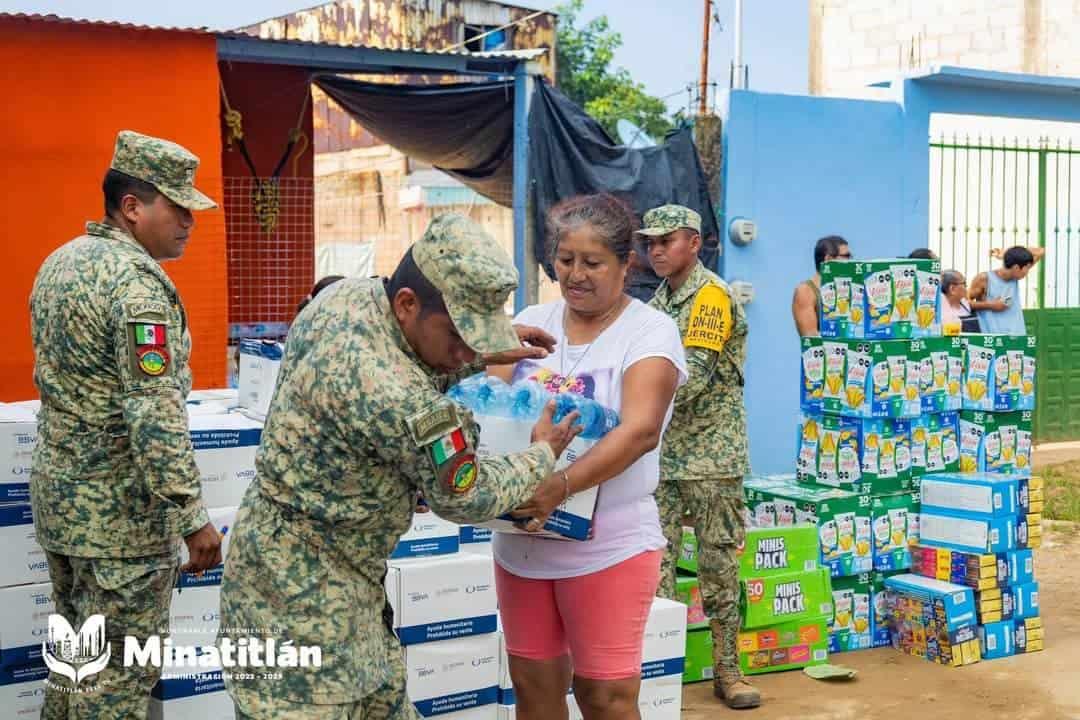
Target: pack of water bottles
[{"x": 506, "y": 415}]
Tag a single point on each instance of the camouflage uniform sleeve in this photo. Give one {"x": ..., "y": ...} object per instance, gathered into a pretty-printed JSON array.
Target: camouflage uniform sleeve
[
  {"x": 439, "y": 439},
  {"x": 701, "y": 368},
  {"x": 147, "y": 333}
]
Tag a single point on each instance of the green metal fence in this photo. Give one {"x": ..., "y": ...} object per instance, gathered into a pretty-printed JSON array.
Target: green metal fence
[{"x": 996, "y": 193}]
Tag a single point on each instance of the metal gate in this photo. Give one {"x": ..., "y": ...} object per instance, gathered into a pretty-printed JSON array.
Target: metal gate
[{"x": 997, "y": 193}]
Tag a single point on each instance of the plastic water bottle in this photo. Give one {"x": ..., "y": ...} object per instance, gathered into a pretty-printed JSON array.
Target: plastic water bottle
[
  {"x": 467, "y": 392},
  {"x": 598, "y": 420},
  {"x": 494, "y": 398},
  {"x": 527, "y": 400}
]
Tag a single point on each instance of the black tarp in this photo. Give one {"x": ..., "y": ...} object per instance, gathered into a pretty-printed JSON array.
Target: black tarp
[{"x": 467, "y": 131}]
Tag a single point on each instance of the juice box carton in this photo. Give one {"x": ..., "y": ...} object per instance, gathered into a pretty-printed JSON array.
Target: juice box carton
[
  {"x": 1029, "y": 494},
  {"x": 1026, "y": 597},
  {"x": 699, "y": 656},
  {"x": 997, "y": 639},
  {"x": 864, "y": 456},
  {"x": 688, "y": 592},
  {"x": 784, "y": 647},
  {"x": 895, "y": 521},
  {"x": 1028, "y": 635},
  {"x": 979, "y": 571},
  {"x": 812, "y": 376},
  {"x": 842, "y": 302},
  {"x": 1014, "y": 372},
  {"x": 879, "y": 614},
  {"x": 851, "y": 625},
  {"x": 779, "y": 550},
  {"x": 981, "y": 362},
  {"x": 687, "y": 561},
  {"x": 995, "y": 442},
  {"x": 901, "y": 297},
  {"x": 935, "y": 443},
  {"x": 941, "y": 372},
  {"x": 974, "y": 535},
  {"x": 870, "y": 379},
  {"x": 775, "y": 599},
  {"x": 970, "y": 494},
  {"x": 842, "y": 519}
]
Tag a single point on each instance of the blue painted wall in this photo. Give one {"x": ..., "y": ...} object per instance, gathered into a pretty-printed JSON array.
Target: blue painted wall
[{"x": 803, "y": 167}]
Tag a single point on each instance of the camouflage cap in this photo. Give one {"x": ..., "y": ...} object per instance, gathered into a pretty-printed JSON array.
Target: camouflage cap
[
  {"x": 475, "y": 277},
  {"x": 165, "y": 165},
  {"x": 669, "y": 218}
]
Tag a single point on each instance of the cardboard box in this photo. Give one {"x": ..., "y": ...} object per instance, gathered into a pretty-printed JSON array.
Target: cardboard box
[
  {"x": 841, "y": 301},
  {"x": 941, "y": 373},
  {"x": 23, "y": 560},
  {"x": 688, "y": 592},
  {"x": 991, "y": 535},
  {"x": 198, "y": 696},
  {"x": 951, "y": 603},
  {"x": 895, "y": 520},
  {"x": 18, "y": 438},
  {"x": 779, "y": 551},
  {"x": 473, "y": 535},
  {"x": 867, "y": 456},
  {"x": 664, "y": 644},
  {"x": 997, "y": 640},
  {"x": 24, "y": 623},
  {"x": 851, "y": 624},
  {"x": 879, "y": 613},
  {"x": 994, "y": 605},
  {"x": 1027, "y": 600},
  {"x": 452, "y": 676},
  {"x": 687, "y": 560},
  {"x": 871, "y": 379},
  {"x": 699, "y": 658},
  {"x": 779, "y": 599},
  {"x": 442, "y": 598},
  {"x": 1029, "y": 531},
  {"x": 995, "y": 442},
  {"x": 22, "y": 691},
  {"x": 979, "y": 571},
  {"x": 884, "y": 299},
  {"x": 786, "y": 646},
  {"x": 970, "y": 494},
  {"x": 932, "y": 619},
  {"x": 1014, "y": 372},
  {"x": 573, "y": 519},
  {"x": 1030, "y": 494},
  {"x": 980, "y": 362},
  {"x": 1021, "y": 567},
  {"x": 428, "y": 536},
  {"x": 195, "y": 612},
  {"x": 225, "y": 448},
  {"x": 935, "y": 444},
  {"x": 660, "y": 698},
  {"x": 1028, "y": 635},
  {"x": 842, "y": 519},
  {"x": 812, "y": 379},
  {"x": 260, "y": 363}
]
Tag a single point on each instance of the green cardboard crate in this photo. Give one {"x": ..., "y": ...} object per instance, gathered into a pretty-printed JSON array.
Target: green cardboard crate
[
  {"x": 942, "y": 373},
  {"x": 872, "y": 378},
  {"x": 688, "y": 592},
  {"x": 850, "y": 627},
  {"x": 687, "y": 561},
  {"x": 699, "y": 659},
  {"x": 779, "y": 550},
  {"x": 842, "y": 519},
  {"x": 791, "y": 597},
  {"x": 896, "y": 529},
  {"x": 869, "y": 456},
  {"x": 995, "y": 441},
  {"x": 786, "y": 646}
]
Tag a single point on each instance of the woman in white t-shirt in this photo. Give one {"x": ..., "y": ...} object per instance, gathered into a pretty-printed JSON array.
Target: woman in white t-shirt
[{"x": 577, "y": 610}]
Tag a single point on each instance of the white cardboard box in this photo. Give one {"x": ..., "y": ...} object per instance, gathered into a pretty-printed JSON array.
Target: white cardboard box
[
  {"x": 225, "y": 447},
  {"x": 260, "y": 362},
  {"x": 442, "y": 598},
  {"x": 24, "y": 621},
  {"x": 22, "y": 692},
  {"x": 195, "y": 614},
  {"x": 454, "y": 678},
  {"x": 660, "y": 698},
  {"x": 664, "y": 650},
  {"x": 428, "y": 536},
  {"x": 22, "y": 560},
  {"x": 18, "y": 436},
  {"x": 200, "y": 696},
  {"x": 573, "y": 519}
]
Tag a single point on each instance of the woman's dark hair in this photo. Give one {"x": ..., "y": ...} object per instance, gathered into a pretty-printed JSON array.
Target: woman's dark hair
[
  {"x": 610, "y": 218},
  {"x": 828, "y": 246},
  {"x": 950, "y": 278},
  {"x": 117, "y": 184}
]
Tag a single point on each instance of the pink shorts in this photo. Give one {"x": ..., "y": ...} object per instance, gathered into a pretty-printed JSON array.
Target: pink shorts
[{"x": 598, "y": 619}]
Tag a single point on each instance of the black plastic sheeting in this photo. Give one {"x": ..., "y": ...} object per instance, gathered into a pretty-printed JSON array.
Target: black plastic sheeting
[{"x": 467, "y": 131}]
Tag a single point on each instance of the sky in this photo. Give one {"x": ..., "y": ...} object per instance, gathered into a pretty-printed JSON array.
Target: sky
[{"x": 775, "y": 34}]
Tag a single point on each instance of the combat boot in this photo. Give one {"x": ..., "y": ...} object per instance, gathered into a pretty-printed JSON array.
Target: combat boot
[{"x": 735, "y": 691}]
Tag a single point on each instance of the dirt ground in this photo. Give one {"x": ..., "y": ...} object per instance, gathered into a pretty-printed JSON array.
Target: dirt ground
[{"x": 891, "y": 686}]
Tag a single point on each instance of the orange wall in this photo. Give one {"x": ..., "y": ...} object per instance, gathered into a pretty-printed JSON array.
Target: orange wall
[{"x": 68, "y": 89}]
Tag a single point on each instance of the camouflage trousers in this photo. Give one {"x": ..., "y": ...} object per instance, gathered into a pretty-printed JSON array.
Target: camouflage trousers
[
  {"x": 387, "y": 703},
  {"x": 714, "y": 508},
  {"x": 134, "y": 595}
]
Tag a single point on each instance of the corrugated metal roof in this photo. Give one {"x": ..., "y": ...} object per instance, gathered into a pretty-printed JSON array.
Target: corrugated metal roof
[{"x": 529, "y": 54}]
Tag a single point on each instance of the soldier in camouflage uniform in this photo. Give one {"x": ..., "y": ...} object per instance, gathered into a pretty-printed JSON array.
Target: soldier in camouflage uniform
[
  {"x": 358, "y": 426},
  {"x": 705, "y": 453},
  {"x": 114, "y": 484}
]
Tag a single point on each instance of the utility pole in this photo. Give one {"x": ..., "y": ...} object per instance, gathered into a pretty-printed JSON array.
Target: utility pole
[{"x": 704, "y": 83}]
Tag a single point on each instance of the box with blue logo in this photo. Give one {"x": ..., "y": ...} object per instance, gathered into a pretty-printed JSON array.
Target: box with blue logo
[
  {"x": 442, "y": 598},
  {"x": 935, "y": 444},
  {"x": 22, "y": 690},
  {"x": 941, "y": 373},
  {"x": 18, "y": 437},
  {"x": 23, "y": 560},
  {"x": 24, "y": 623},
  {"x": 977, "y": 495},
  {"x": 955, "y": 604},
  {"x": 997, "y": 639},
  {"x": 989, "y": 535},
  {"x": 1027, "y": 601},
  {"x": 260, "y": 363},
  {"x": 193, "y": 696},
  {"x": 225, "y": 447},
  {"x": 454, "y": 679},
  {"x": 429, "y": 535},
  {"x": 1028, "y": 635}
]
